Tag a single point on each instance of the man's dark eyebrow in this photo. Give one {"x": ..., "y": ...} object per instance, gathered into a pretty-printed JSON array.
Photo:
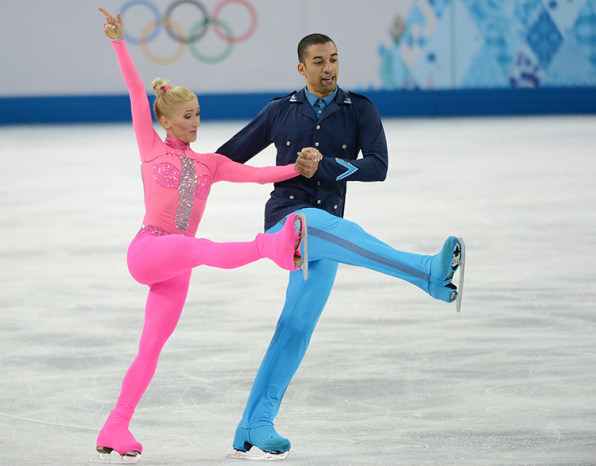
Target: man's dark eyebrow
[{"x": 318, "y": 57}]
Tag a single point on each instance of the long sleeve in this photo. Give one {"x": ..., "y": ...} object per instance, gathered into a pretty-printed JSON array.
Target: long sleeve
[
  {"x": 372, "y": 166},
  {"x": 234, "y": 172},
  {"x": 141, "y": 112}
]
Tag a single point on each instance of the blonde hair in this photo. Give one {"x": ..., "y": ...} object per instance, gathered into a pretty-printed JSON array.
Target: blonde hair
[{"x": 168, "y": 97}]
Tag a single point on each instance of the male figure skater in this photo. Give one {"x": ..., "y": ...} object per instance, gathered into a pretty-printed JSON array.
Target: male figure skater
[{"x": 328, "y": 127}]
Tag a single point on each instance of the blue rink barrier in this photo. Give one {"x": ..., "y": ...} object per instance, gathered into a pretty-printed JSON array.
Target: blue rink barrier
[{"x": 437, "y": 103}]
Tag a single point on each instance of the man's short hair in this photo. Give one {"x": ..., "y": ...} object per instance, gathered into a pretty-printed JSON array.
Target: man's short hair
[{"x": 311, "y": 39}]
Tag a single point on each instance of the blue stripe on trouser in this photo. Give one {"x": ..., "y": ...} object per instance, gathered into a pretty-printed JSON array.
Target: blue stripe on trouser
[{"x": 331, "y": 240}]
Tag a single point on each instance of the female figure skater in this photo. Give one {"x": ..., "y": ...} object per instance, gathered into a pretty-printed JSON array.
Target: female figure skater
[{"x": 176, "y": 182}]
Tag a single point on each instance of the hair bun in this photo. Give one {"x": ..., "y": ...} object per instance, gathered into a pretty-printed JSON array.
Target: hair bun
[{"x": 160, "y": 85}]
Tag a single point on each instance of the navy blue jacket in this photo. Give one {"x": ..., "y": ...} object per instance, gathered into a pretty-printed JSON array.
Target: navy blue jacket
[{"x": 349, "y": 125}]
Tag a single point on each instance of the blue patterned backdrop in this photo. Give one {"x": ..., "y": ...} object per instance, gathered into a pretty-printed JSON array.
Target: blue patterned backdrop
[{"x": 467, "y": 44}]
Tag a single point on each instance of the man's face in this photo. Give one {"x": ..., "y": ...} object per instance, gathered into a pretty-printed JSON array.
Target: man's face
[{"x": 320, "y": 68}]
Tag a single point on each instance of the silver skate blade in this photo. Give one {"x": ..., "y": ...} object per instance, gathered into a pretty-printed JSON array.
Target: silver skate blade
[
  {"x": 462, "y": 264},
  {"x": 263, "y": 456},
  {"x": 115, "y": 458},
  {"x": 302, "y": 230}
]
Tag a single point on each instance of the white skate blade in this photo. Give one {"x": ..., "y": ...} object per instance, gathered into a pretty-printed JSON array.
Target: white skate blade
[
  {"x": 261, "y": 456},
  {"x": 115, "y": 458},
  {"x": 303, "y": 233},
  {"x": 462, "y": 264}
]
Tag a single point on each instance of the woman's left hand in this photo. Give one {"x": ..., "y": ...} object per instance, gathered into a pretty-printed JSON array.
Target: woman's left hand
[{"x": 113, "y": 27}]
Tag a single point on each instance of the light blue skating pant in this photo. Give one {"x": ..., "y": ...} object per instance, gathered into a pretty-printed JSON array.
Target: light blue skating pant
[{"x": 331, "y": 240}]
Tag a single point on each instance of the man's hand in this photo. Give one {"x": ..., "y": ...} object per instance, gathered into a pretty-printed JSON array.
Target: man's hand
[
  {"x": 310, "y": 153},
  {"x": 307, "y": 163}
]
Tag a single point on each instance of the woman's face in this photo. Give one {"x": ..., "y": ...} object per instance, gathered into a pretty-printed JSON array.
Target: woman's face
[{"x": 184, "y": 121}]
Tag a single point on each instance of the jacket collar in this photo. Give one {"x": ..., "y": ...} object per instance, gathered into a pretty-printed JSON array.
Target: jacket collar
[{"x": 342, "y": 98}]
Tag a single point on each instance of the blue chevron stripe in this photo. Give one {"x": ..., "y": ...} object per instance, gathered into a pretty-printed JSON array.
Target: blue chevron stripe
[{"x": 350, "y": 169}]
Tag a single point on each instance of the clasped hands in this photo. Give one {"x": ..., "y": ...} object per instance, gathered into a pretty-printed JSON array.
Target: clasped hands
[{"x": 307, "y": 162}]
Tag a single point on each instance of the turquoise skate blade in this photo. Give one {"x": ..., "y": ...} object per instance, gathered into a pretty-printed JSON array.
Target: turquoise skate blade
[
  {"x": 262, "y": 456},
  {"x": 462, "y": 264}
]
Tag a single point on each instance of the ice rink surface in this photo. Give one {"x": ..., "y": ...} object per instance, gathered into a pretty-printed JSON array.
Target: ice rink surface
[{"x": 392, "y": 377}]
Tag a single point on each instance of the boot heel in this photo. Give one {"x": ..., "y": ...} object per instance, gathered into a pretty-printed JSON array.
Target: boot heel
[{"x": 104, "y": 450}]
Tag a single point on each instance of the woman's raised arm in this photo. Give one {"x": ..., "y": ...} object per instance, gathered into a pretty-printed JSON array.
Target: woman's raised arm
[{"x": 141, "y": 111}]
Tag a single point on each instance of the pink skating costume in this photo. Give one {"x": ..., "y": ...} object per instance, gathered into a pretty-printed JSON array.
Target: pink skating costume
[{"x": 176, "y": 182}]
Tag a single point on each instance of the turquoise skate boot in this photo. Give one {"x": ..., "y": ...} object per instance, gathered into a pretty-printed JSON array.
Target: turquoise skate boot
[
  {"x": 265, "y": 438},
  {"x": 442, "y": 270}
]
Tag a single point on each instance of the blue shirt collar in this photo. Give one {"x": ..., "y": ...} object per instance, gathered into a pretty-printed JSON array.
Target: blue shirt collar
[{"x": 313, "y": 98}]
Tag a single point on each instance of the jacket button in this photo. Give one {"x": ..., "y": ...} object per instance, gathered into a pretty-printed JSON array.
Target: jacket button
[
  {"x": 316, "y": 144},
  {"x": 288, "y": 143},
  {"x": 343, "y": 147},
  {"x": 335, "y": 206},
  {"x": 318, "y": 126},
  {"x": 291, "y": 197},
  {"x": 319, "y": 201},
  {"x": 318, "y": 183}
]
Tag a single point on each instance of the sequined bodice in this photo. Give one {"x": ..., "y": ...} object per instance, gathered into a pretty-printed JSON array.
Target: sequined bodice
[
  {"x": 183, "y": 179},
  {"x": 186, "y": 180}
]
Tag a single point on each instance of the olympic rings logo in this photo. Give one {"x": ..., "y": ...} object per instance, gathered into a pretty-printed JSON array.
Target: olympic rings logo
[{"x": 197, "y": 31}]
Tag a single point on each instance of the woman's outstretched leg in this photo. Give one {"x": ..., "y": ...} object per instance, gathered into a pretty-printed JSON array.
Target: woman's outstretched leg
[{"x": 153, "y": 259}]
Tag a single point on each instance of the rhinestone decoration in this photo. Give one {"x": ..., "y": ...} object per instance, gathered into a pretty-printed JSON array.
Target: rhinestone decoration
[
  {"x": 187, "y": 187},
  {"x": 155, "y": 230},
  {"x": 167, "y": 175},
  {"x": 177, "y": 143},
  {"x": 203, "y": 187}
]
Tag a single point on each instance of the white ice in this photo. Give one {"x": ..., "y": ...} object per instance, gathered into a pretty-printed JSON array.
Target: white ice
[{"x": 391, "y": 377}]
